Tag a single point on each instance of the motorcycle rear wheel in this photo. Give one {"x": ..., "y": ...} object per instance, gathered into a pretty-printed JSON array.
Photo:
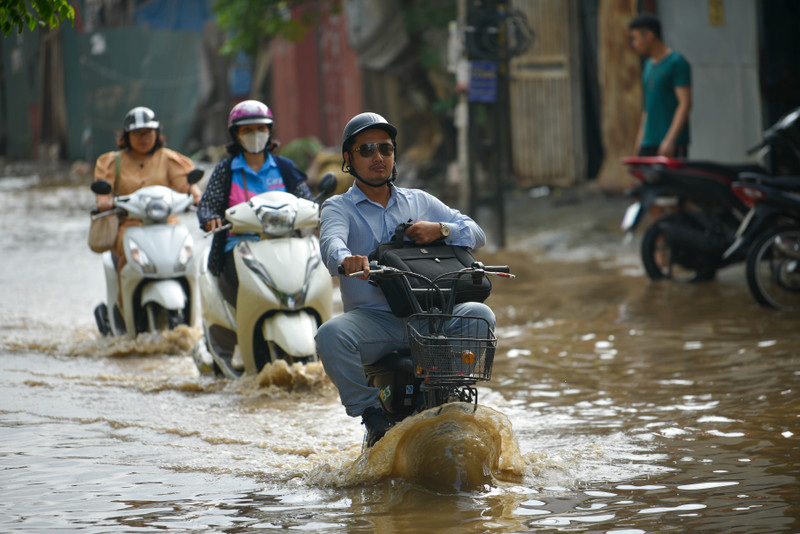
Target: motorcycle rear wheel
[
  {"x": 663, "y": 261},
  {"x": 773, "y": 268}
]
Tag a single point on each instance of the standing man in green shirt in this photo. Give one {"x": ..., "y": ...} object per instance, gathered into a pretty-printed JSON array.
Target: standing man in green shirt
[{"x": 667, "y": 84}]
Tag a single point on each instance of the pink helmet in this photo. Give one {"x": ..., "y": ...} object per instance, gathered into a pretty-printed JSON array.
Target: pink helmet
[{"x": 249, "y": 112}]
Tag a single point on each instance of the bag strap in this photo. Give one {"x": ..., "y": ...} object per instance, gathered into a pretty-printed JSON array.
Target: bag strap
[
  {"x": 400, "y": 234},
  {"x": 244, "y": 184},
  {"x": 116, "y": 172}
]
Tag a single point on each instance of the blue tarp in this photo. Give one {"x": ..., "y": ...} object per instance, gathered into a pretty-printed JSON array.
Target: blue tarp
[{"x": 188, "y": 15}]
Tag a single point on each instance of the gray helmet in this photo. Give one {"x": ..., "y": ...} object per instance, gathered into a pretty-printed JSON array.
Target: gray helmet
[
  {"x": 140, "y": 117},
  {"x": 365, "y": 121}
]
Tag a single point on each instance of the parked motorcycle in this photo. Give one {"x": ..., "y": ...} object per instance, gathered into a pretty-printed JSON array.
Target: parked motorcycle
[
  {"x": 284, "y": 292},
  {"x": 158, "y": 284},
  {"x": 771, "y": 236},
  {"x": 703, "y": 212},
  {"x": 447, "y": 354}
]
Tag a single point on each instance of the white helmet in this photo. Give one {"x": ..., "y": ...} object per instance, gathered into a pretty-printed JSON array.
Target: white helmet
[{"x": 140, "y": 117}]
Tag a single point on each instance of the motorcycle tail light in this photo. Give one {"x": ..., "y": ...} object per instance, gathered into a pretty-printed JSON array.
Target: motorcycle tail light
[
  {"x": 636, "y": 173},
  {"x": 749, "y": 195}
]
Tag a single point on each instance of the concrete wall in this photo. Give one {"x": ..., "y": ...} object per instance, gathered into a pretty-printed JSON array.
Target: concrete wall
[{"x": 726, "y": 112}]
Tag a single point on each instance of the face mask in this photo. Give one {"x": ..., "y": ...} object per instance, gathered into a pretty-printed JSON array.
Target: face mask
[{"x": 255, "y": 141}]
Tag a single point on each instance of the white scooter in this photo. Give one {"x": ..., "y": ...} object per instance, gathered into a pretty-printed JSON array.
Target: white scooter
[
  {"x": 159, "y": 279},
  {"x": 285, "y": 291}
]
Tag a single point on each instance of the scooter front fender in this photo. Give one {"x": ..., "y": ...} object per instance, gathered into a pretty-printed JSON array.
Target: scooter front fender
[
  {"x": 167, "y": 293},
  {"x": 293, "y": 332}
]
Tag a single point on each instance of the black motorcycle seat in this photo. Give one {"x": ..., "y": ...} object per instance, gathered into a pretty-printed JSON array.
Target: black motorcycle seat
[
  {"x": 392, "y": 362},
  {"x": 787, "y": 183},
  {"x": 730, "y": 170}
]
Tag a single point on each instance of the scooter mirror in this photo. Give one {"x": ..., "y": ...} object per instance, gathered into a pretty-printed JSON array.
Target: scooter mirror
[
  {"x": 194, "y": 176},
  {"x": 327, "y": 184},
  {"x": 101, "y": 187}
]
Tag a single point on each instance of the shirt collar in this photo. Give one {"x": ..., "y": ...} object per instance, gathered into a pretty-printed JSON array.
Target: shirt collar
[
  {"x": 358, "y": 196},
  {"x": 239, "y": 163}
]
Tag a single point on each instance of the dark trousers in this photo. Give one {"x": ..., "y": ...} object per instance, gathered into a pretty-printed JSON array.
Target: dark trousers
[{"x": 228, "y": 279}]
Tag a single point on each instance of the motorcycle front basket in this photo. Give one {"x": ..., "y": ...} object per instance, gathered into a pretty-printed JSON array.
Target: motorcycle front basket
[{"x": 451, "y": 349}]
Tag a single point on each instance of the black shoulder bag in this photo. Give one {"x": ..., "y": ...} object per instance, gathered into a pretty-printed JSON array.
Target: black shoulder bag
[{"x": 430, "y": 261}]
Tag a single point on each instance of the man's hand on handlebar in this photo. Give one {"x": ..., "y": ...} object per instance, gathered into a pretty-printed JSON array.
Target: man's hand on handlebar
[{"x": 354, "y": 264}]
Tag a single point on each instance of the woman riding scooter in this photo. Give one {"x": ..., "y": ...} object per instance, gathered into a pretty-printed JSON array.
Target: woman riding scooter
[
  {"x": 142, "y": 160},
  {"x": 252, "y": 169}
]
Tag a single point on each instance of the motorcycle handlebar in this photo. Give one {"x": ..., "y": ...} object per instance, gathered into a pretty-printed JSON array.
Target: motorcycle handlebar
[
  {"x": 220, "y": 229},
  {"x": 756, "y": 148},
  {"x": 500, "y": 270},
  {"x": 107, "y": 213}
]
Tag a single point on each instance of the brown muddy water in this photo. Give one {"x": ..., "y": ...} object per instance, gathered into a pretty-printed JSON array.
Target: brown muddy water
[{"x": 616, "y": 404}]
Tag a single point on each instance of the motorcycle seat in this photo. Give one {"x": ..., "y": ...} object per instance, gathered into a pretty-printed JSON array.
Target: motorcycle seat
[
  {"x": 787, "y": 183},
  {"x": 398, "y": 360},
  {"x": 729, "y": 170}
]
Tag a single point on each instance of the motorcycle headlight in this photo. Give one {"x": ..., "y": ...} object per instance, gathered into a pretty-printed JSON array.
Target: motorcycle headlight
[
  {"x": 185, "y": 254},
  {"x": 277, "y": 222},
  {"x": 140, "y": 257},
  {"x": 157, "y": 209}
]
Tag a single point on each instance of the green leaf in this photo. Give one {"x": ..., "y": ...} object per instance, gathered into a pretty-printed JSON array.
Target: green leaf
[{"x": 33, "y": 14}]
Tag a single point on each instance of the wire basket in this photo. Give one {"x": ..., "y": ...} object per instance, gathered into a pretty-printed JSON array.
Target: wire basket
[{"x": 451, "y": 349}]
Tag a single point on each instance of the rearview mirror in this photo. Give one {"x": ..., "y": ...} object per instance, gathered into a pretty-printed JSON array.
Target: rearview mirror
[
  {"x": 194, "y": 176},
  {"x": 101, "y": 187},
  {"x": 327, "y": 184}
]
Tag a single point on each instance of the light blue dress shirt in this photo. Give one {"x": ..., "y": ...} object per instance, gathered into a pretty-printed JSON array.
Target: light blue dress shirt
[{"x": 353, "y": 225}]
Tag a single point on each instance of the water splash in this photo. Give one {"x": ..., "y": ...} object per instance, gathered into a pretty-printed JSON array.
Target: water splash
[
  {"x": 177, "y": 341},
  {"x": 295, "y": 377},
  {"x": 87, "y": 342},
  {"x": 448, "y": 449}
]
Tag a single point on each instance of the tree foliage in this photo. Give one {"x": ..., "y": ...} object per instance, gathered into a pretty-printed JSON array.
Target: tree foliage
[
  {"x": 251, "y": 21},
  {"x": 33, "y": 13}
]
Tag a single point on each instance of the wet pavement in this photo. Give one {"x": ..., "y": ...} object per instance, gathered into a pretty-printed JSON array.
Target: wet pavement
[{"x": 633, "y": 406}]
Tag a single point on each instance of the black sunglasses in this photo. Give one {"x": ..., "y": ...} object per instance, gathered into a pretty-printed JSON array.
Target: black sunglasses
[{"x": 368, "y": 149}]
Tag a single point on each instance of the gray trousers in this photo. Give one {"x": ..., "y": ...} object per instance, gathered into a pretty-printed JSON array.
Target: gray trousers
[{"x": 363, "y": 336}]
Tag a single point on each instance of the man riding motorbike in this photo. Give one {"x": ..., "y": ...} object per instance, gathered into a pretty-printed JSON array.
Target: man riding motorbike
[
  {"x": 250, "y": 170},
  {"x": 352, "y": 225}
]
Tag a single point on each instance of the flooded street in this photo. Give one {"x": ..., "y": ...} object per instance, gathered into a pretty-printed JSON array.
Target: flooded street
[{"x": 635, "y": 406}]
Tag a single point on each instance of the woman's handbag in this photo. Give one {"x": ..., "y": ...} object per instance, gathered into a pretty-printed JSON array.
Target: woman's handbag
[
  {"x": 430, "y": 261},
  {"x": 103, "y": 230}
]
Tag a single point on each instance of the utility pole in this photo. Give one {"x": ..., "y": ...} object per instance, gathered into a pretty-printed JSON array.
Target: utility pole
[
  {"x": 502, "y": 124},
  {"x": 493, "y": 34},
  {"x": 462, "y": 111}
]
